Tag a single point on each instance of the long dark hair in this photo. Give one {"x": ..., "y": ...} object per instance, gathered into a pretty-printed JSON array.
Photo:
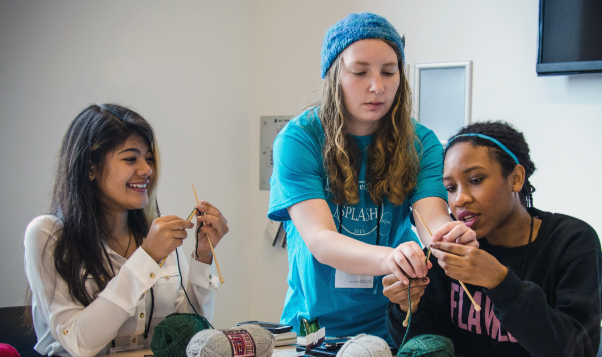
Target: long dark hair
[
  {"x": 513, "y": 140},
  {"x": 79, "y": 253},
  {"x": 393, "y": 162}
]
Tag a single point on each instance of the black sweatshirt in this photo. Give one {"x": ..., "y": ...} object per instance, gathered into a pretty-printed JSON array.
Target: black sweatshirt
[{"x": 554, "y": 311}]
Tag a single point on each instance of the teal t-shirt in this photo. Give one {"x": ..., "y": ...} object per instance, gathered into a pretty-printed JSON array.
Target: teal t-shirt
[{"x": 299, "y": 175}]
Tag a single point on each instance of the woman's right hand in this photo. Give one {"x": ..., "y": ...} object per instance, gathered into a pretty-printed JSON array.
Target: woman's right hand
[
  {"x": 397, "y": 292},
  {"x": 408, "y": 261},
  {"x": 165, "y": 235}
]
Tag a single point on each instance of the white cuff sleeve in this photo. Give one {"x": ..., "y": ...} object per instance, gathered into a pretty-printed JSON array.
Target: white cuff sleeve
[
  {"x": 203, "y": 275},
  {"x": 137, "y": 275}
]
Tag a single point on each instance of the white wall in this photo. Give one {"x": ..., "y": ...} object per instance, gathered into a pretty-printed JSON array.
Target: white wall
[{"x": 203, "y": 73}]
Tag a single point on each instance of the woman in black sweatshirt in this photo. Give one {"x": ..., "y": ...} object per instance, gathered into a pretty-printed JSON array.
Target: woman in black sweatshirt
[{"x": 536, "y": 275}]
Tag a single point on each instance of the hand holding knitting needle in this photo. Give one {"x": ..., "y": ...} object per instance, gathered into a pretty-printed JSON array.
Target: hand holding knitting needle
[
  {"x": 213, "y": 226},
  {"x": 476, "y": 306},
  {"x": 211, "y": 223},
  {"x": 397, "y": 291}
]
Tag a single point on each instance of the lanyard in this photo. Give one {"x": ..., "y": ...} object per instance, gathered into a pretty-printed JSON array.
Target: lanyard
[{"x": 377, "y": 222}]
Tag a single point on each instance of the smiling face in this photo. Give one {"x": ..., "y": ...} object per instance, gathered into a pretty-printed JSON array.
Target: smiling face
[
  {"x": 478, "y": 193},
  {"x": 127, "y": 171},
  {"x": 369, "y": 80}
]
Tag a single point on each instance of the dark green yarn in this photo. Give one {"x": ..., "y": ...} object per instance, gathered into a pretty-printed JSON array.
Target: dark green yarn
[
  {"x": 173, "y": 334},
  {"x": 427, "y": 346}
]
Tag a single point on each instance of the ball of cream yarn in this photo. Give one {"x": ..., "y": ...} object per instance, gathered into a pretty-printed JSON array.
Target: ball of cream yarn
[{"x": 214, "y": 343}]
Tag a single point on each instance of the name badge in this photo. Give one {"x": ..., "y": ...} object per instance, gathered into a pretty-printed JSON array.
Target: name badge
[{"x": 345, "y": 280}]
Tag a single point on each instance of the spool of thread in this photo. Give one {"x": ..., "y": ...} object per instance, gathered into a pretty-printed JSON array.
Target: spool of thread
[
  {"x": 172, "y": 334},
  {"x": 247, "y": 340},
  {"x": 427, "y": 346},
  {"x": 365, "y": 346}
]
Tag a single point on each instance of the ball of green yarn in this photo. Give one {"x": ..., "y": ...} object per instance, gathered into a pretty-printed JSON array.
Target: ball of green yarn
[
  {"x": 173, "y": 334},
  {"x": 427, "y": 346}
]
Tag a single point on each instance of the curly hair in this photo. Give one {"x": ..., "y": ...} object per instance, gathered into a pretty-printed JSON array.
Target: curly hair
[
  {"x": 393, "y": 162},
  {"x": 509, "y": 137}
]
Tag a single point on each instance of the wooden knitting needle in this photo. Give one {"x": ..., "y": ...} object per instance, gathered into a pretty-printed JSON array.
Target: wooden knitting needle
[
  {"x": 196, "y": 197},
  {"x": 476, "y": 306},
  {"x": 405, "y": 322},
  {"x": 192, "y": 214},
  {"x": 428, "y": 230},
  {"x": 221, "y": 279}
]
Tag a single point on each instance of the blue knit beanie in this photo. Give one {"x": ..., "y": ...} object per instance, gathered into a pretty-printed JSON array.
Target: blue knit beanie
[{"x": 353, "y": 28}]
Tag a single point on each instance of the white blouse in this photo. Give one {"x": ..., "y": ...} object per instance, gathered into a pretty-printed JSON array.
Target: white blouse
[{"x": 116, "y": 319}]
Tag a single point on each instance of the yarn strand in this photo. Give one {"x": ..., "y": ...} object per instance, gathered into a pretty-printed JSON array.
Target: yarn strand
[
  {"x": 182, "y": 285},
  {"x": 409, "y": 314}
]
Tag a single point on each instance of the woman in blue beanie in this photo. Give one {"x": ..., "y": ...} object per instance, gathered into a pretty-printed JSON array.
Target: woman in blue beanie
[
  {"x": 103, "y": 267},
  {"x": 537, "y": 275},
  {"x": 346, "y": 174}
]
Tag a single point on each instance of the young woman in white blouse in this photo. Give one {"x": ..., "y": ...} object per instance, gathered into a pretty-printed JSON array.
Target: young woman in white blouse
[{"x": 94, "y": 263}]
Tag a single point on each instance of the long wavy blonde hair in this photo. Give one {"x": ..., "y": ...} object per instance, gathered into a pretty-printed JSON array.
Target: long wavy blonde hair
[{"x": 393, "y": 163}]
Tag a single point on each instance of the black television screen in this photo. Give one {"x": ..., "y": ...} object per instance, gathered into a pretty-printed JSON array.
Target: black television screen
[{"x": 570, "y": 37}]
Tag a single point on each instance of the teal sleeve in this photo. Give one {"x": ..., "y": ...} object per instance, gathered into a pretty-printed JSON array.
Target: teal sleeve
[
  {"x": 430, "y": 178},
  {"x": 297, "y": 174}
]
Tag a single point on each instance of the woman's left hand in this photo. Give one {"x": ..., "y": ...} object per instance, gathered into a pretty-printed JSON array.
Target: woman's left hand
[
  {"x": 468, "y": 264},
  {"x": 213, "y": 225},
  {"x": 456, "y": 232}
]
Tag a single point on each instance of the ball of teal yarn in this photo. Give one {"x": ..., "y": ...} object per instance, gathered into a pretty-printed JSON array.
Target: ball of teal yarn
[
  {"x": 427, "y": 346},
  {"x": 173, "y": 334}
]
